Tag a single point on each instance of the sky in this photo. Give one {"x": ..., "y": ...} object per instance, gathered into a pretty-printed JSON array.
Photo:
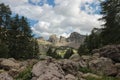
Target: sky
[{"x": 60, "y": 17}]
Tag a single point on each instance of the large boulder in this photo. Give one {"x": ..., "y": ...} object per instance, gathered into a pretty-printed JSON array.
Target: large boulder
[
  {"x": 70, "y": 77},
  {"x": 8, "y": 64},
  {"x": 5, "y": 76},
  {"x": 103, "y": 66},
  {"x": 75, "y": 57},
  {"x": 69, "y": 66},
  {"x": 47, "y": 70},
  {"x": 110, "y": 51}
]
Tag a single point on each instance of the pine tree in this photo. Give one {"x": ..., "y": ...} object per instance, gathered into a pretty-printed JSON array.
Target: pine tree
[
  {"x": 93, "y": 41},
  {"x": 5, "y": 14},
  {"x": 13, "y": 37},
  {"x": 16, "y": 36},
  {"x": 111, "y": 16},
  {"x": 4, "y": 24},
  {"x": 68, "y": 53},
  {"x": 49, "y": 52}
]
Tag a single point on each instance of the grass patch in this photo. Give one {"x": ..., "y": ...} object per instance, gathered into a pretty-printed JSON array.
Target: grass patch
[
  {"x": 25, "y": 75},
  {"x": 103, "y": 78},
  {"x": 85, "y": 70}
]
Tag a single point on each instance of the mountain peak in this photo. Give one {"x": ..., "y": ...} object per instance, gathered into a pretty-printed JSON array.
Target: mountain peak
[{"x": 74, "y": 40}]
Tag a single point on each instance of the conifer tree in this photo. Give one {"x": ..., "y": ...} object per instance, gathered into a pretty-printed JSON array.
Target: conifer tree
[
  {"x": 16, "y": 36},
  {"x": 68, "y": 53},
  {"x": 4, "y": 24},
  {"x": 111, "y": 16}
]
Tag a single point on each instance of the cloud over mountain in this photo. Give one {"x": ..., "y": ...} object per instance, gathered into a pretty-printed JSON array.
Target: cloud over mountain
[{"x": 61, "y": 17}]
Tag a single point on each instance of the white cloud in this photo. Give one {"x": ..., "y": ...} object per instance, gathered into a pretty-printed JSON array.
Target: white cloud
[{"x": 62, "y": 19}]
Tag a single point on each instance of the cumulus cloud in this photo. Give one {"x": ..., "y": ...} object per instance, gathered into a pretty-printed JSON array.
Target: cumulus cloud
[{"x": 65, "y": 17}]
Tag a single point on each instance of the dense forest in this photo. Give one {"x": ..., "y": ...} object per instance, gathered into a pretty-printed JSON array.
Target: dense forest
[{"x": 16, "y": 39}]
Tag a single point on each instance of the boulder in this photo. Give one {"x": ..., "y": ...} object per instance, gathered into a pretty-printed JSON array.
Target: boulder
[
  {"x": 110, "y": 51},
  {"x": 47, "y": 70},
  {"x": 86, "y": 58},
  {"x": 13, "y": 72},
  {"x": 96, "y": 55},
  {"x": 75, "y": 57},
  {"x": 5, "y": 76},
  {"x": 103, "y": 66},
  {"x": 69, "y": 66},
  {"x": 70, "y": 77},
  {"x": 8, "y": 64},
  {"x": 91, "y": 75},
  {"x": 117, "y": 65}
]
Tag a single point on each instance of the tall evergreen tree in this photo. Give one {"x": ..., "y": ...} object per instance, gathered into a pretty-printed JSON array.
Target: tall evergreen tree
[
  {"x": 68, "y": 53},
  {"x": 16, "y": 36},
  {"x": 93, "y": 41},
  {"x": 5, "y": 13},
  {"x": 111, "y": 16}
]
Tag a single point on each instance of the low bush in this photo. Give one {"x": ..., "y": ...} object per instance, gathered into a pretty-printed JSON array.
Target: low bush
[
  {"x": 25, "y": 75},
  {"x": 85, "y": 70}
]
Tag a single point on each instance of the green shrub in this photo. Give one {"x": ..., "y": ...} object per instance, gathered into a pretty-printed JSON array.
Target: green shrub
[
  {"x": 68, "y": 53},
  {"x": 53, "y": 53},
  {"x": 85, "y": 70},
  {"x": 103, "y": 78},
  {"x": 25, "y": 75}
]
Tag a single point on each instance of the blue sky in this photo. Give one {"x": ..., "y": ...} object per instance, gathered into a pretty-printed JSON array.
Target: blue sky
[{"x": 60, "y": 17}]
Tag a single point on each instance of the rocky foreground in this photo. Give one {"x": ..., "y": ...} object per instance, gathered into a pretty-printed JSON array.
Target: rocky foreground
[{"x": 94, "y": 67}]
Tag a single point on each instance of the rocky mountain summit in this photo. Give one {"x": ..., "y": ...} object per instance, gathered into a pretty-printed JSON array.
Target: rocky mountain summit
[{"x": 74, "y": 40}]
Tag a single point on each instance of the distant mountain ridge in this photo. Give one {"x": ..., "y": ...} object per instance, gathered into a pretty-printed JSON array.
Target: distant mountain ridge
[{"x": 74, "y": 40}]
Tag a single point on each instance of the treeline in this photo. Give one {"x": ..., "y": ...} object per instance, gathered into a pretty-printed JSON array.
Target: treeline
[
  {"x": 16, "y": 39},
  {"x": 110, "y": 33}
]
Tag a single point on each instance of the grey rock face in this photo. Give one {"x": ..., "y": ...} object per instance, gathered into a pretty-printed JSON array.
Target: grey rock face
[
  {"x": 53, "y": 39},
  {"x": 110, "y": 51},
  {"x": 62, "y": 39},
  {"x": 69, "y": 66},
  {"x": 74, "y": 40},
  {"x": 45, "y": 70},
  {"x": 75, "y": 37},
  {"x": 5, "y": 76},
  {"x": 103, "y": 66},
  {"x": 70, "y": 77}
]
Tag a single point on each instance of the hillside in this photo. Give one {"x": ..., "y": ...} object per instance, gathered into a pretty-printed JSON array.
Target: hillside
[{"x": 85, "y": 67}]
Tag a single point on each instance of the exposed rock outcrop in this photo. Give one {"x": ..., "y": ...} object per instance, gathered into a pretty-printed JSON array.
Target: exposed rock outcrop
[
  {"x": 8, "y": 64},
  {"x": 10, "y": 68},
  {"x": 75, "y": 37},
  {"x": 74, "y": 40},
  {"x": 5, "y": 76},
  {"x": 62, "y": 39},
  {"x": 110, "y": 51},
  {"x": 45, "y": 70},
  {"x": 53, "y": 39},
  {"x": 103, "y": 66},
  {"x": 70, "y": 77},
  {"x": 69, "y": 66}
]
